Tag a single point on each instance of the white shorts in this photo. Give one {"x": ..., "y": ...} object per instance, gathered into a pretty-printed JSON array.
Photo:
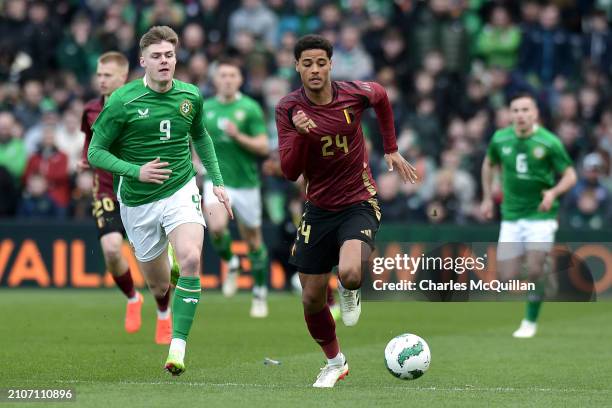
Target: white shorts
[
  {"x": 246, "y": 203},
  {"x": 148, "y": 225},
  {"x": 516, "y": 237}
]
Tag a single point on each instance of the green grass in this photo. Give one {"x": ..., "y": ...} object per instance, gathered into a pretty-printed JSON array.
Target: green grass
[{"x": 64, "y": 338}]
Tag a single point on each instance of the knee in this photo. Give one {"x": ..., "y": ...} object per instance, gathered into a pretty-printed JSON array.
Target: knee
[
  {"x": 312, "y": 302},
  {"x": 350, "y": 276},
  {"x": 189, "y": 262},
  {"x": 112, "y": 256},
  {"x": 159, "y": 289}
]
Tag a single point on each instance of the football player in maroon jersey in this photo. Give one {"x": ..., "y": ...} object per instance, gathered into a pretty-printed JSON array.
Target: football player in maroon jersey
[{"x": 320, "y": 137}]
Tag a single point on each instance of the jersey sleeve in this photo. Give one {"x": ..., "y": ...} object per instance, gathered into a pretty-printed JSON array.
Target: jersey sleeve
[
  {"x": 378, "y": 99},
  {"x": 292, "y": 147},
  {"x": 107, "y": 127},
  {"x": 257, "y": 123},
  {"x": 492, "y": 152},
  {"x": 560, "y": 158},
  {"x": 203, "y": 144}
]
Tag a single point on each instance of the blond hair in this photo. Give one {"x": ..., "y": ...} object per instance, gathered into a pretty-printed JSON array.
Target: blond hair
[
  {"x": 116, "y": 57},
  {"x": 156, "y": 35}
]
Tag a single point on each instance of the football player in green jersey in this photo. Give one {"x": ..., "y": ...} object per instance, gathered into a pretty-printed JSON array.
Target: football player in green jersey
[
  {"x": 143, "y": 137},
  {"x": 238, "y": 130},
  {"x": 530, "y": 159}
]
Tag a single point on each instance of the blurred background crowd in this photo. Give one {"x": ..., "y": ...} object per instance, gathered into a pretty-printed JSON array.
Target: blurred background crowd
[{"x": 448, "y": 67}]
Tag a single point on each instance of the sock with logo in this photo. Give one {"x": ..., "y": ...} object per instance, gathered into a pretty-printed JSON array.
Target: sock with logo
[
  {"x": 259, "y": 265},
  {"x": 322, "y": 328},
  {"x": 223, "y": 245},
  {"x": 186, "y": 299}
]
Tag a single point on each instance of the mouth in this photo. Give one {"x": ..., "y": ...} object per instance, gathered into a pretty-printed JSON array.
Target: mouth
[
  {"x": 315, "y": 80},
  {"x": 164, "y": 70}
]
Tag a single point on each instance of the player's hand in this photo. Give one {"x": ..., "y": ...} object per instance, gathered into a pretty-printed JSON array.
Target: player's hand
[
  {"x": 231, "y": 129},
  {"x": 82, "y": 165},
  {"x": 406, "y": 170},
  {"x": 486, "y": 208},
  {"x": 548, "y": 198},
  {"x": 303, "y": 123},
  {"x": 223, "y": 198},
  {"x": 154, "y": 172}
]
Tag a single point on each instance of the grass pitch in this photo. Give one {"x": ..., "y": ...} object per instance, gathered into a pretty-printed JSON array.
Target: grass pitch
[{"x": 75, "y": 339}]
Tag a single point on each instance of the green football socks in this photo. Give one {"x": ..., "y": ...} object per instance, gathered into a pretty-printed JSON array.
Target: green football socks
[{"x": 184, "y": 304}]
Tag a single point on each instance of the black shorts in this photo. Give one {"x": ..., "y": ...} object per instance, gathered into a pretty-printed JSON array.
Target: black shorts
[
  {"x": 321, "y": 234},
  {"x": 107, "y": 215}
]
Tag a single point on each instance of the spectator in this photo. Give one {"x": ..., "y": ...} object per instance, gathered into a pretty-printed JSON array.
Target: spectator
[
  {"x": 588, "y": 204},
  {"x": 28, "y": 111},
  {"x": 162, "y": 12},
  {"x": 192, "y": 42},
  {"x": 52, "y": 165},
  {"x": 82, "y": 196},
  {"x": 69, "y": 139},
  {"x": 499, "y": 41},
  {"x": 78, "y": 51},
  {"x": 597, "y": 42},
  {"x": 351, "y": 61},
  {"x": 36, "y": 201},
  {"x": 392, "y": 203},
  {"x": 546, "y": 49},
  {"x": 303, "y": 20},
  {"x": 13, "y": 155},
  {"x": 255, "y": 18}
]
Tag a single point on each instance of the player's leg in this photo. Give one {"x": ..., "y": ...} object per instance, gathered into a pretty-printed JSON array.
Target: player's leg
[
  {"x": 110, "y": 231},
  {"x": 157, "y": 275},
  {"x": 187, "y": 240},
  {"x": 217, "y": 223},
  {"x": 539, "y": 237},
  {"x": 149, "y": 242},
  {"x": 356, "y": 233},
  {"x": 258, "y": 255},
  {"x": 248, "y": 208},
  {"x": 322, "y": 328},
  {"x": 118, "y": 267},
  {"x": 314, "y": 253}
]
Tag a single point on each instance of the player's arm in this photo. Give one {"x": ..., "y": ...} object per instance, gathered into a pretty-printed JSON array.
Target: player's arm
[
  {"x": 256, "y": 141},
  {"x": 292, "y": 142},
  {"x": 380, "y": 102},
  {"x": 106, "y": 128},
  {"x": 204, "y": 147},
  {"x": 562, "y": 164}
]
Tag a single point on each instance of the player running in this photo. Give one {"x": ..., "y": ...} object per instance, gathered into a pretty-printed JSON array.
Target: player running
[
  {"x": 238, "y": 130},
  {"x": 529, "y": 157},
  {"x": 143, "y": 135},
  {"x": 320, "y": 136},
  {"x": 111, "y": 73}
]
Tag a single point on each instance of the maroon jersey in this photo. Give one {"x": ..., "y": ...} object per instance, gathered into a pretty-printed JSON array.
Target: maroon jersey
[
  {"x": 333, "y": 156},
  {"x": 103, "y": 180}
]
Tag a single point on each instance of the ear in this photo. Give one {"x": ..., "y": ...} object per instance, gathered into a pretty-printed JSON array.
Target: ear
[
  {"x": 142, "y": 61},
  {"x": 296, "y": 66}
]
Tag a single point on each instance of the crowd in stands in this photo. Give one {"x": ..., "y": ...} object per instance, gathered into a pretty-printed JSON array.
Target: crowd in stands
[{"x": 448, "y": 68}]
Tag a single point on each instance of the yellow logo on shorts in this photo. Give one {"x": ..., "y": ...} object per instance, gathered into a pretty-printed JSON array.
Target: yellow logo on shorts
[{"x": 186, "y": 107}]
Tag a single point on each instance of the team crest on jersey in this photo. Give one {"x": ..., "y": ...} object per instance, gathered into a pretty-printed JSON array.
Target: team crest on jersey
[
  {"x": 240, "y": 115},
  {"x": 186, "y": 107},
  {"x": 506, "y": 150},
  {"x": 538, "y": 152}
]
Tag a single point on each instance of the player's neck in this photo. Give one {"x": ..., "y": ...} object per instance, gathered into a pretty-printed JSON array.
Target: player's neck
[
  {"x": 321, "y": 97},
  {"x": 158, "y": 86},
  {"x": 524, "y": 133},
  {"x": 227, "y": 98}
]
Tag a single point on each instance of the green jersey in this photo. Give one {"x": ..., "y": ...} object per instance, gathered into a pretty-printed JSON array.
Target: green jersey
[
  {"x": 238, "y": 165},
  {"x": 529, "y": 166},
  {"x": 138, "y": 125}
]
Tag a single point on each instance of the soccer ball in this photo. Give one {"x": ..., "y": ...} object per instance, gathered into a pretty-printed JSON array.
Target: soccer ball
[{"x": 407, "y": 356}]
